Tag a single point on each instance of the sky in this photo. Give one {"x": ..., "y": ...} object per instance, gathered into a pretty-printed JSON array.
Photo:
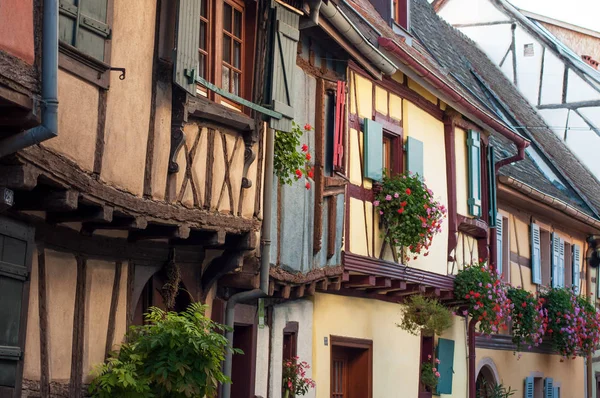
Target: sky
[{"x": 583, "y": 13}]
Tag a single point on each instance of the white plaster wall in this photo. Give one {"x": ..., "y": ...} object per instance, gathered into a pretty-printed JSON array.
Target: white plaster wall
[
  {"x": 493, "y": 39},
  {"x": 479, "y": 11},
  {"x": 552, "y": 81},
  {"x": 580, "y": 90},
  {"x": 300, "y": 311},
  {"x": 528, "y": 68}
]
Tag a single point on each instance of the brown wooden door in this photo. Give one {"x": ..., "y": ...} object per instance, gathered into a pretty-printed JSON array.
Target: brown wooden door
[
  {"x": 339, "y": 374},
  {"x": 351, "y": 372}
]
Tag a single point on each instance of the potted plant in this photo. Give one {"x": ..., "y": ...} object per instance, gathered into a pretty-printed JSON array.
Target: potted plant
[
  {"x": 289, "y": 163},
  {"x": 425, "y": 315},
  {"x": 295, "y": 382},
  {"x": 409, "y": 213},
  {"x": 430, "y": 374},
  {"x": 485, "y": 296}
]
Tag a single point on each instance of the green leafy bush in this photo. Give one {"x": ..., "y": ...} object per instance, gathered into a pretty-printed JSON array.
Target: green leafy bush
[
  {"x": 430, "y": 375},
  {"x": 173, "y": 355},
  {"x": 289, "y": 164},
  {"x": 429, "y": 316},
  {"x": 527, "y": 315},
  {"x": 494, "y": 391}
]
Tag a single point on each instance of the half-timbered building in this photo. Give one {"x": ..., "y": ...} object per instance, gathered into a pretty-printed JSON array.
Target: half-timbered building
[{"x": 146, "y": 179}]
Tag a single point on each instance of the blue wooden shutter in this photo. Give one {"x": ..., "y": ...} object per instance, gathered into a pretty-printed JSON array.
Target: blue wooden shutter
[
  {"x": 499, "y": 243},
  {"x": 528, "y": 390},
  {"x": 414, "y": 156},
  {"x": 373, "y": 149},
  {"x": 187, "y": 42},
  {"x": 561, "y": 263},
  {"x": 15, "y": 259},
  {"x": 84, "y": 25},
  {"x": 536, "y": 255},
  {"x": 283, "y": 48},
  {"x": 555, "y": 260},
  {"x": 548, "y": 387},
  {"x": 445, "y": 353},
  {"x": 492, "y": 185},
  {"x": 576, "y": 267},
  {"x": 474, "y": 154}
]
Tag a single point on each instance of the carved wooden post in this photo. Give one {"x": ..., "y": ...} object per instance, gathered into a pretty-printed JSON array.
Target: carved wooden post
[{"x": 178, "y": 119}]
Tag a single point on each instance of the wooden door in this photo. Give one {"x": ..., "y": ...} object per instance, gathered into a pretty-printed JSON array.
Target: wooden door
[
  {"x": 339, "y": 373},
  {"x": 351, "y": 368}
]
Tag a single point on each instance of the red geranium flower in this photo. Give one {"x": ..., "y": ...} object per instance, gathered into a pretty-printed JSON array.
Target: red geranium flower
[
  {"x": 401, "y": 210},
  {"x": 307, "y": 127},
  {"x": 307, "y": 185},
  {"x": 304, "y": 148},
  {"x": 308, "y": 156},
  {"x": 311, "y": 173},
  {"x": 408, "y": 191},
  {"x": 298, "y": 174}
]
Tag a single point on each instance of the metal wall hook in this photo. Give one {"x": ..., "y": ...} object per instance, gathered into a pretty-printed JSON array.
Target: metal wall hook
[{"x": 122, "y": 70}]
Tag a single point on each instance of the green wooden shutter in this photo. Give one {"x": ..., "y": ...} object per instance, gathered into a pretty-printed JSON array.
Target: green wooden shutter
[
  {"x": 15, "y": 257},
  {"x": 536, "y": 255},
  {"x": 548, "y": 387},
  {"x": 555, "y": 260},
  {"x": 187, "y": 41},
  {"x": 90, "y": 34},
  {"x": 576, "y": 267},
  {"x": 561, "y": 263},
  {"x": 528, "y": 390},
  {"x": 499, "y": 243},
  {"x": 474, "y": 154},
  {"x": 492, "y": 186},
  {"x": 373, "y": 149},
  {"x": 445, "y": 353},
  {"x": 414, "y": 156},
  {"x": 283, "y": 48}
]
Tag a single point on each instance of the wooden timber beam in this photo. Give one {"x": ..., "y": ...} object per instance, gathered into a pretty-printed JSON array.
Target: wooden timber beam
[
  {"x": 60, "y": 201},
  {"x": 219, "y": 267},
  {"x": 411, "y": 289},
  {"x": 395, "y": 285},
  {"x": 285, "y": 291},
  {"x": 241, "y": 280},
  {"x": 121, "y": 223},
  {"x": 299, "y": 290},
  {"x": 432, "y": 292},
  {"x": 210, "y": 239},
  {"x": 84, "y": 213},
  {"x": 335, "y": 283},
  {"x": 361, "y": 281},
  {"x": 155, "y": 231},
  {"x": 312, "y": 287},
  {"x": 16, "y": 177}
]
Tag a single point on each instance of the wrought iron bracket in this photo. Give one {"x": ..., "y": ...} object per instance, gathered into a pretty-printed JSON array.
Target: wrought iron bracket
[{"x": 122, "y": 70}]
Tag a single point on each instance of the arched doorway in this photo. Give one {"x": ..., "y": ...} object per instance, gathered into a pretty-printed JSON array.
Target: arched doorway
[{"x": 486, "y": 379}]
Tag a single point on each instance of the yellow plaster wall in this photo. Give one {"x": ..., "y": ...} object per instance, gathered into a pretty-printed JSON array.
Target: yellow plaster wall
[
  {"x": 358, "y": 233},
  {"x": 77, "y": 121},
  {"x": 422, "y": 91},
  {"x": 424, "y": 127},
  {"x": 381, "y": 100},
  {"x": 363, "y": 96},
  {"x": 512, "y": 371},
  {"x": 395, "y": 352},
  {"x": 395, "y": 107},
  {"x": 129, "y": 100},
  {"x": 466, "y": 252},
  {"x": 61, "y": 274},
  {"x": 462, "y": 171}
]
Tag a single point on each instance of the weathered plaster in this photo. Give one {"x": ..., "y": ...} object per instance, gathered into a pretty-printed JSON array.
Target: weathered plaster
[{"x": 16, "y": 29}]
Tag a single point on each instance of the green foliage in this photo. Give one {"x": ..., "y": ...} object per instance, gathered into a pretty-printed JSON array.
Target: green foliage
[
  {"x": 429, "y": 375},
  {"x": 527, "y": 317},
  {"x": 173, "y": 355},
  {"x": 425, "y": 315},
  {"x": 290, "y": 164},
  {"x": 410, "y": 214},
  {"x": 495, "y": 391}
]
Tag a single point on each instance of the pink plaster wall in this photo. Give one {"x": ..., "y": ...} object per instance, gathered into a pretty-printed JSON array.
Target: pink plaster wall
[{"x": 16, "y": 29}]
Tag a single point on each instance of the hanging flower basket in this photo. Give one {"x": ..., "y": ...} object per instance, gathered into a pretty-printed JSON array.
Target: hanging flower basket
[
  {"x": 289, "y": 163},
  {"x": 429, "y": 316},
  {"x": 409, "y": 213},
  {"x": 485, "y": 295},
  {"x": 528, "y": 317},
  {"x": 573, "y": 324}
]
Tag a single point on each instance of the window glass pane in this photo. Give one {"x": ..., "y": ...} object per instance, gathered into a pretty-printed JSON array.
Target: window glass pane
[
  {"x": 202, "y": 65},
  {"x": 237, "y": 23},
  {"x": 236, "y": 83},
  {"x": 203, "y": 35},
  {"x": 227, "y": 17},
  {"x": 225, "y": 78},
  {"x": 227, "y": 49},
  {"x": 203, "y": 8},
  {"x": 237, "y": 54}
]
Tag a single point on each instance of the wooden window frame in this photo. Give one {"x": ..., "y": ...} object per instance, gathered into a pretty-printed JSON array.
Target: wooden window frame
[
  {"x": 393, "y": 133},
  {"x": 291, "y": 329},
  {"x": 214, "y": 56},
  {"x": 401, "y": 13},
  {"x": 351, "y": 342},
  {"x": 505, "y": 249},
  {"x": 85, "y": 66}
]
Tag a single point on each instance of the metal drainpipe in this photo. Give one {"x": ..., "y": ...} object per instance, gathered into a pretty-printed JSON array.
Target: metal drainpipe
[
  {"x": 472, "y": 357},
  {"x": 265, "y": 261},
  {"x": 588, "y": 290},
  {"x": 49, "y": 127}
]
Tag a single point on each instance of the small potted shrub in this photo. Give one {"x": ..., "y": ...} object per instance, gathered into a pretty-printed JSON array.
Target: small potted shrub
[
  {"x": 430, "y": 374},
  {"x": 289, "y": 163},
  {"x": 295, "y": 383},
  {"x": 409, "y": 213},
  {"x": 426, "y": 316}
]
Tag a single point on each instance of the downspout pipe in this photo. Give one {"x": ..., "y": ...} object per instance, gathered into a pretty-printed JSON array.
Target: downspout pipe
[
  {"x": 458, "y": 98},
  {"x": 49, "y": 127},
  {"x": 472, "y": 357},
  {"x": 265, "y": 261}
]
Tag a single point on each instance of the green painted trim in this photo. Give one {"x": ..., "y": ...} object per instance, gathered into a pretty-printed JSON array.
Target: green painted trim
[{"x": 239, "y": 100}]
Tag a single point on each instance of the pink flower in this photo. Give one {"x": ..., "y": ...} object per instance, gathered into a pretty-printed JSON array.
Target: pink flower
[
  {"x": 437, "y": 374},
  {"x": 429, "y": 357},
  {"x": 388, "y": 197},
  {"x": 376, "y": 203},
  {"x": 396, "y": 195},
  {"x": 437, "y": 360},
  {"x": 434, "y": 369}
]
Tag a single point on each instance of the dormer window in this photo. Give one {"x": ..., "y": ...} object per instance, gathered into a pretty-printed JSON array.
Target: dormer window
[{"x": 400, "y": 12}]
